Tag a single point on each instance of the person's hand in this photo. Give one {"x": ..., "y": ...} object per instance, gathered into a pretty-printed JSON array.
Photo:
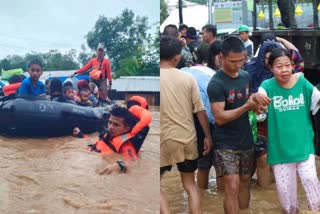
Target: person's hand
[
  {"x": 207, "y": 143},
  {"x": 76, "y": 131},
  {"x": 72, "y": 75},
  {"x": 110, "y": 169},
  {"x": 261, "y": 99},
  {"x": 108, "y": 100}
]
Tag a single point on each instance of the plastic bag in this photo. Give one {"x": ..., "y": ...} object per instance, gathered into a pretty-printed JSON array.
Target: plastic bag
[
  {"x": 253, "y": 124},
  {"x": 5, "y": 75}
]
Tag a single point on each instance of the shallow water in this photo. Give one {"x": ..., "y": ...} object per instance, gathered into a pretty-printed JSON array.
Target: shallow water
[
  {"x": 263, "y": 201},
  {"x": 58, "y": 175}
]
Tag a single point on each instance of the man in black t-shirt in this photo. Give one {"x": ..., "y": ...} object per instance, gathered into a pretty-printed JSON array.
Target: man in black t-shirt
[{"x": 228, "y": 91}]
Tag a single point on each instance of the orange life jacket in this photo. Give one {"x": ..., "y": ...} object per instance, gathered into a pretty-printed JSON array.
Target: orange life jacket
[
  {"x": 144, "y": 116},
  {"x": 143, "y": 102},
  {"x": 11, "y": 88},
  {"x": 105, "y": 145},
  {"x": 137, "y": 135},
  {"x": 109, "y": 146}
]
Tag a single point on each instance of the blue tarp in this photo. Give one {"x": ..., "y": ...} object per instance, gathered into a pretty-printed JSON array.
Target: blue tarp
[{"x": 79, "y": 77}]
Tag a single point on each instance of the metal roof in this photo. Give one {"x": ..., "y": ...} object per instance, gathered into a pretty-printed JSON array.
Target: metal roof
[
  {"x": 137, "y": 84},
  {"x": 46, "y": 74},
  {"x": 122, "y": 84}
]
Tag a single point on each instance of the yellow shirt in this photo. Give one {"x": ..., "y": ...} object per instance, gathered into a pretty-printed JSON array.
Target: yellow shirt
[{"x": 180, "y": 99}]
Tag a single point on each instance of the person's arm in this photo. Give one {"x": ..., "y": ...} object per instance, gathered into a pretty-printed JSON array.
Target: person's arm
[
  {"x": 203, "y": 120},
  {"x": 109, "y": 74},
  {"x": 24, "y": 88},
  {"x": 261, "y": 97},
  {"x": 223, "y": 116},
  {"x": 83, "y": 69},
  {"x": 42, "y": 89},
  {"x": 129, "y": 153},
  {"x": 145, "y": 118},
  {"x": 288, "y": 45}
]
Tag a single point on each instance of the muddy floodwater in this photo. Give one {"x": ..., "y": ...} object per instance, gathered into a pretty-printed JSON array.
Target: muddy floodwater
[
  {"x": 59, "y": 175},
  {"x": 263, "y": 201}
]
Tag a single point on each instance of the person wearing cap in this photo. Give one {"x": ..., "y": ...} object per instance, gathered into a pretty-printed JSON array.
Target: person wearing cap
[
  {"x": 248, "y": 44},
  {"x": 101, "y": 71}
]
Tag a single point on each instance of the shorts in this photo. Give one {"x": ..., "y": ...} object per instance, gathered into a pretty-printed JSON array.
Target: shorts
[
  {"x": 185, "y": 166},
  {"x": 261, "y": 145},
  {"x": 230, "y": 162},
  {"x": 205, "y": 162}
]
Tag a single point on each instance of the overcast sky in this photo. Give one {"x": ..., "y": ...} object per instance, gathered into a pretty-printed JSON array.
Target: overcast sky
[{"x": 41, "y": 25}]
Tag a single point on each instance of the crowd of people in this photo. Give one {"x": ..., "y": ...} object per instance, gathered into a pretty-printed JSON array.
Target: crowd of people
[
  {"x": 217, "y": 83},
  {"x": 127, "y": 127}
]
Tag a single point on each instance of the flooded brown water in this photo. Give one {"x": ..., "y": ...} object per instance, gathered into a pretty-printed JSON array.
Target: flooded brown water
[
  {"x": 58, "y": 175},
  {"x": 263, "y": 201}
]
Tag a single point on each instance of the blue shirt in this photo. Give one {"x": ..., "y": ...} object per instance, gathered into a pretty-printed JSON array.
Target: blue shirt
[
  {"x": 203, "y": 75},
  {"x": 27, "y": 88}
]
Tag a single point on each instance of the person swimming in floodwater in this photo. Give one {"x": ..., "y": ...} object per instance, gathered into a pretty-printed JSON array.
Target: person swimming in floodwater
[{"x": 127, "y": 129}]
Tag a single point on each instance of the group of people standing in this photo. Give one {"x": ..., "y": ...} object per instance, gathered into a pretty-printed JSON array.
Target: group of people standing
[{"x": 270, "y": 84}]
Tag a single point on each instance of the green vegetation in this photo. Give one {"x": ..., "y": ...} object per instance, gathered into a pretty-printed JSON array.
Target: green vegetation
[
  {"x": 130, "y": 47},
  {"x": 163, "y": 11}
]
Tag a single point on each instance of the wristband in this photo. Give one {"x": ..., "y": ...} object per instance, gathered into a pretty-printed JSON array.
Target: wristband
[
  {"x": 122, "y": 166},
  {"x": 110, "y": 82}
]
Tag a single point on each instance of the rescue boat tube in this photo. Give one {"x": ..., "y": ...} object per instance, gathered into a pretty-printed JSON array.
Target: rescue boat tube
[{"x": 44, "y": 118}]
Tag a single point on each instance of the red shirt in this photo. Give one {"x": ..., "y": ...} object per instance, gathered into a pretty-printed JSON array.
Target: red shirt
[{"x": 94, "y": 63}]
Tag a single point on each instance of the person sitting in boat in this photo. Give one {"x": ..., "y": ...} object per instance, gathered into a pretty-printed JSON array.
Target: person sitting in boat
[
  {"x": 101, "y": 72},
  {"x": 94, "y": 90},
  {"x": 14, "y": 84},
  {"x": 31, "y": 85},
  {"x": 85, "y": 85},
  {"x": 55, "y": 88},
  {"x": 84, "y": 97},
  {"x": 68, "y": 95}
]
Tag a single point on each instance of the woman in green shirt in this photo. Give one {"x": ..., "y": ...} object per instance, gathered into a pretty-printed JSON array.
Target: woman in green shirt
[{"x": 290, "y": 98}]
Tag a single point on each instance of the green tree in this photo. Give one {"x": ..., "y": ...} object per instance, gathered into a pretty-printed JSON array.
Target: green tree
[
  {"x": 126, "y": 39},
  {"x": 54, "y": 60},
  {"x": 16, "y": 61},
  {"x": 163, "y": 11},
  {"x": 128, "y": 67},
  {"x": 84, "y": 55},
  {"x": 5, "y": 64},
  {"x": 150, "y": 64}
]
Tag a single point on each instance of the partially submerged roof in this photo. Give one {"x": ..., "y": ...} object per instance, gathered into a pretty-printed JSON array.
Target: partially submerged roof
[{"x": 137, "y": 84}]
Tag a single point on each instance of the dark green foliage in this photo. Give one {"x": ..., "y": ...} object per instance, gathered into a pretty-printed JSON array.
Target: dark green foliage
[
  {"x": 53, "y": 60},
  {"x": 130, "y": 47},
  {"x": 163, "y": 11}
]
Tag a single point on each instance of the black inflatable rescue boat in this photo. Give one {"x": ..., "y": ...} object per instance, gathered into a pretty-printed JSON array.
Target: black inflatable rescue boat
[{"x": 40, "y": 117}]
